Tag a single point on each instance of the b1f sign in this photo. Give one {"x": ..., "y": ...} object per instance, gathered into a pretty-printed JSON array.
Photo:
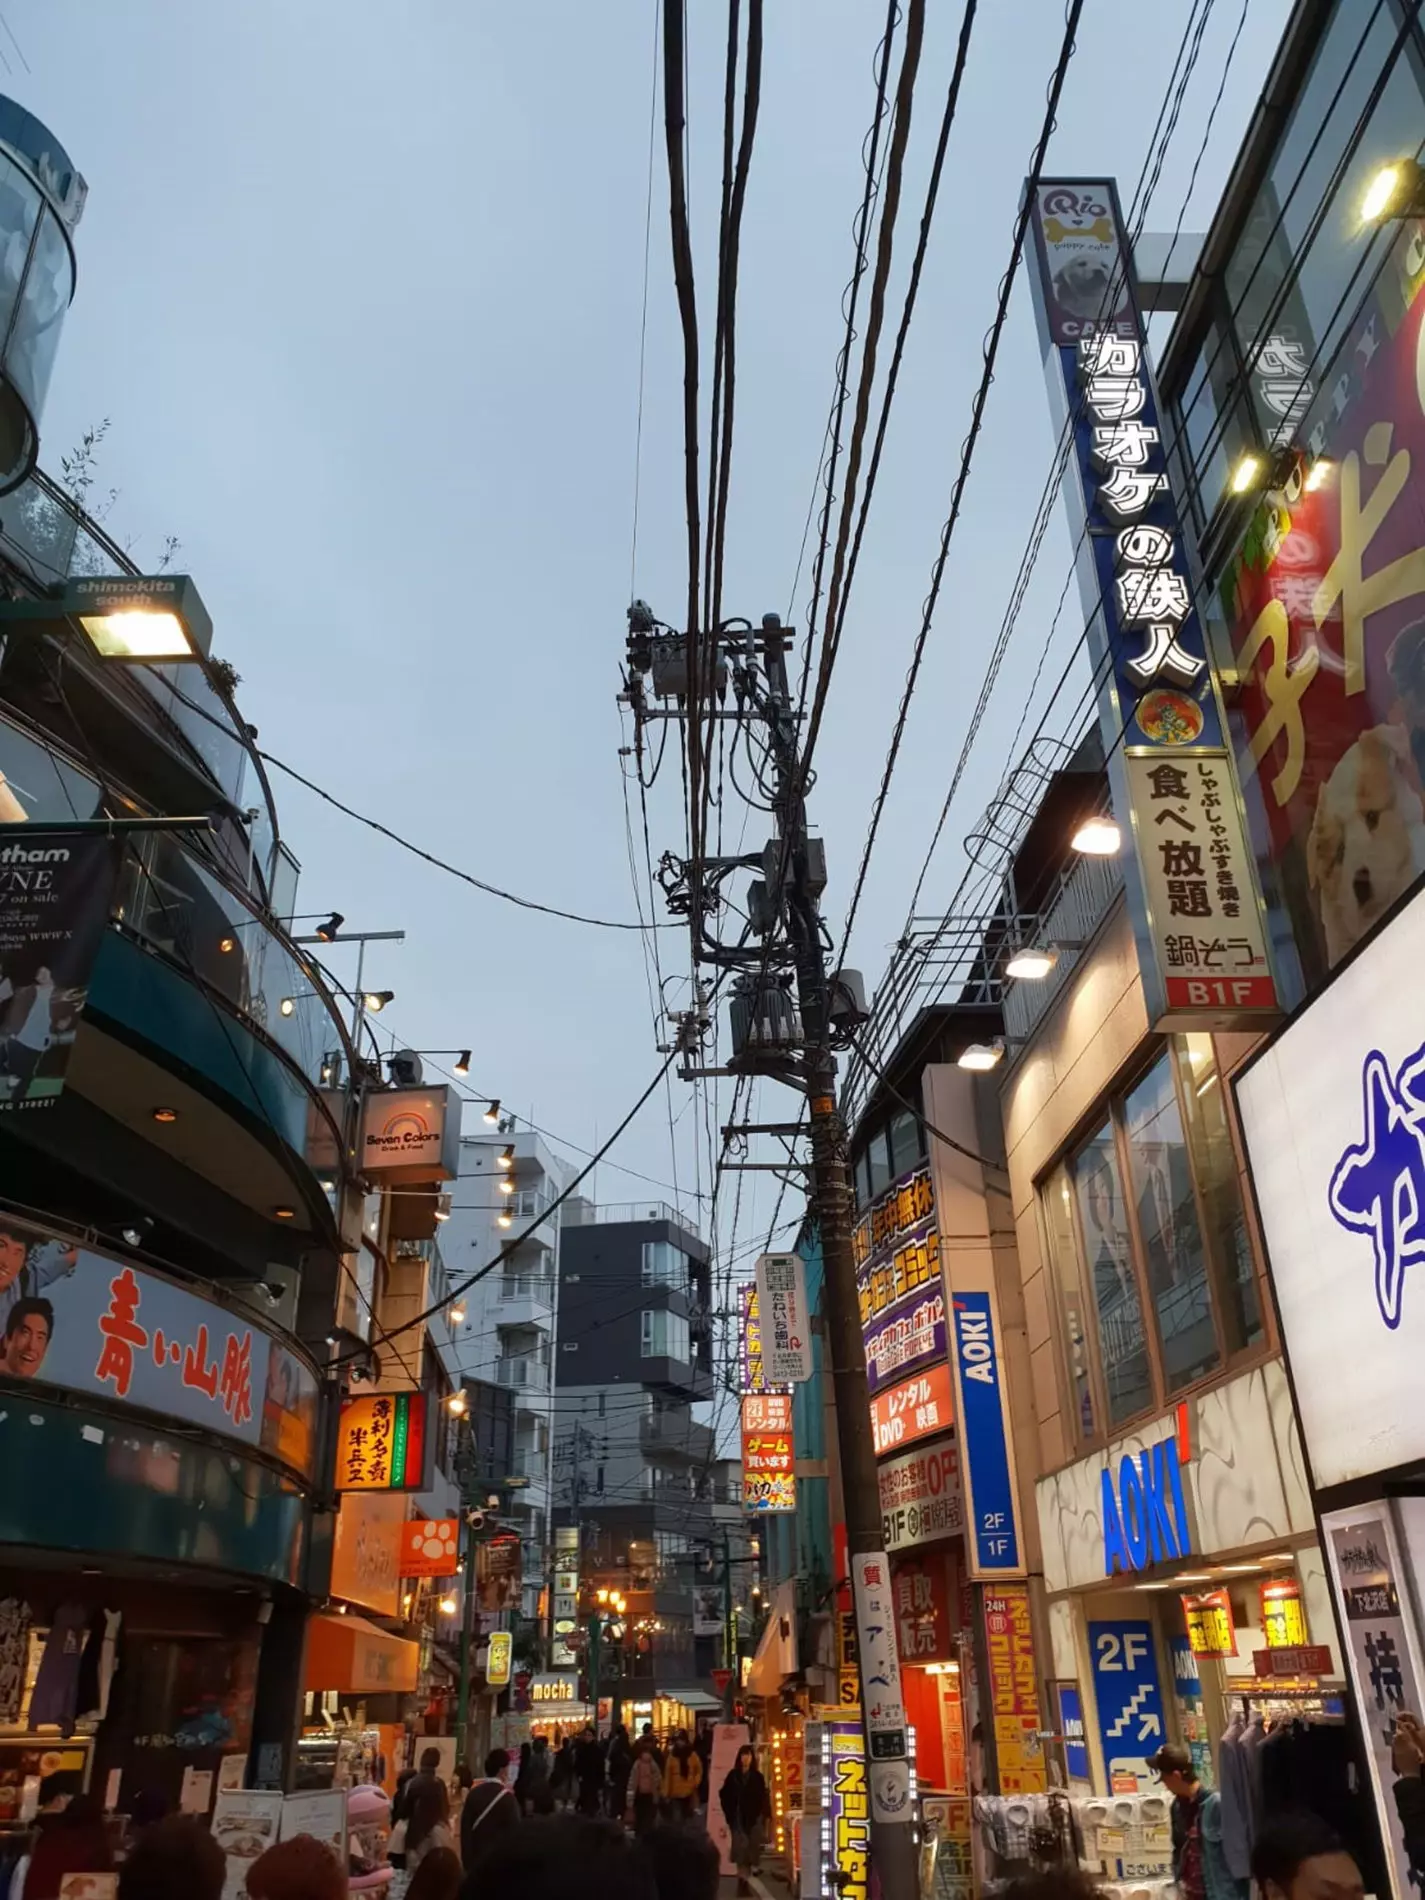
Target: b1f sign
[{"x": 786, "y": 1324}]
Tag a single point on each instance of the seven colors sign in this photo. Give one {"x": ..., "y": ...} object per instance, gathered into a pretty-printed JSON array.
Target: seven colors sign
[{"x": 382, "y": 1443}]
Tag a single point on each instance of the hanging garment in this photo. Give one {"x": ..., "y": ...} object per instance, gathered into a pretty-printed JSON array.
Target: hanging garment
[
  {"x": 1238, "y": 1829},
  {"x": 96, "y": 1668},
  {"x": 14, "y": 1655},
  {"x": 57, "y": 1684}
]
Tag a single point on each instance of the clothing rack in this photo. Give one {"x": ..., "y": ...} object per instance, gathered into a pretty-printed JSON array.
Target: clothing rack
[{"x": 1294, "y": 1704}]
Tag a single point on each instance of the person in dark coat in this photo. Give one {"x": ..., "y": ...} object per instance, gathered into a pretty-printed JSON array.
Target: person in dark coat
[
  {"x": 747, "y": 1806},
  {"x": 620, "y": 1768},
  {"x": 589, "y": 1771}
]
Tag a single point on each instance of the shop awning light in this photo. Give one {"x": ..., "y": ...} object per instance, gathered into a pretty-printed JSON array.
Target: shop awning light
[
  {"x": 376, "y": 1000},
  {"x": 1321, "y": 471},
  {"x": 506, "y": 1156},
  {"x": 1031, "y": 965},
  {"x": 328, "y": 931},
  {"x": 447, "y": 1606},
  {"x": 1098, "y": 837},
  {"x": 504, "y": 1218},
  {"x": 456, "y": 1405},
  {"x": 492, "y": 1113},
  {"x": 462, "y": 1066},
  {"x": 151, "y": 619},
  {"x": 507, "y": 1186},
  {"x": 442, "y": 1207},
  {"x": 457, "y": 1314},
  {"x": 1246, "y": 474},
  {"x": 981, "y": 1056}
]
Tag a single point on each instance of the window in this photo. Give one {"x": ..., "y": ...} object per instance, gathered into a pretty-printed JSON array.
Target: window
[
  {"x": 664, "y": 1335},
  {"x": 664, "y": 1264},
  {"x": 1173, "y": 1252},
  {"x": 1147, "y": 1247},
  {"x": 1108, "y": 1256},
  {"x": 906, "y": 1145},
  {"x": 878, "y": 1156}
]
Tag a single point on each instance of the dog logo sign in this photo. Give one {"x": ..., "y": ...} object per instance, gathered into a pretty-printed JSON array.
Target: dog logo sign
[{"x": 1378, "y": 1185}]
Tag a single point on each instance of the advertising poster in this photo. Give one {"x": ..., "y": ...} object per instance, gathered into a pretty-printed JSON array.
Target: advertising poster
[
  {"x": 1014, "y": 1691},
  {"x": 920, "y": 1495},
  {"x": 323, "y": 1816},
  {"x": 727, "y": 1738},
  {"x": 917, "y": 1408},
  {"x": 366, "y": 1551},
  {"x": 846, "y": 1813},
  {"x": 784, "y": 1319},
  {"x": 498, "y": 1571},
  {"x": 1324, "y": 600},
  {"x": 56, "y": 895},
  {"x": 751, "y": 1365},
  {"x": 81, "y": 1320},
  {"x": 925, "y": 1607},
  {"x": 881, "y": 1704},
  {"x": 246, "y": 1822},
  {"x": 896, "y": 1244},
  {"x": 1071, "y": 1727},
  {"x": 912, "y": 1336},
  {"x": 768, "y": 1459},
  {"x": 1211, "y": 1631},
  {"x": 1383, "y": 1653}
]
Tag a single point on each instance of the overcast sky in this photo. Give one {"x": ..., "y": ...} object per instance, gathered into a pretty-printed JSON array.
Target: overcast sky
[{"x": 360, "y": 289}]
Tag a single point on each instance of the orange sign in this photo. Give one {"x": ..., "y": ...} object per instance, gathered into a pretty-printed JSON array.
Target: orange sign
[
  {"x": 366, "y": 1551},
  {"x": 430, "y": 1547},
  {"x": 916, "y": 1408},
  {"x": 1009, "y": 1639},
  {"x": 768, "y": 1459}
]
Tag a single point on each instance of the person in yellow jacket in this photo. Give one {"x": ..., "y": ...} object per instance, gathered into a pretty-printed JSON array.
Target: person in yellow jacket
[{"x": 682, "y": 1777}]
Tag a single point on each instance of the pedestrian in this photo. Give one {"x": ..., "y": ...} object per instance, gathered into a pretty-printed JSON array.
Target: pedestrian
[
  {"x": 589, "y": 1771},
  {"x": 682, "y": 1777},
  {"x": 430, "y": 1761},
  {"x": 566, "y": 1857},
  {"x": 1297, "y": 1857},
  {"x": 561, "y": 1775},
  {"x": 1199, "y": 1863},
  {"x": 537, "y": 1795},
  {"x": 645, "y": 1785},
  {"x": 1407, "y": 1757},
  {"x": 174, "y": 1859},
  {"x": 648, "y": 1736},
  {"x": 438, "y": 1876},
  {"x": 429, "y": 1823},
  {"x": 490, "y": 1808},
  {"x": 747, "y": 1807},
  {"x": 703, "y": 1745},
  {"x": 620, "y": 1768},
  {"x": 302, "y": 1868},
  {"x": 70, "y": 1840}
]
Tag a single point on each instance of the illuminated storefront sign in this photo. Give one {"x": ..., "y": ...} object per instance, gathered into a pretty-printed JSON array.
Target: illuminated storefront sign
[
  {"x": 925, "y": 1607},
  {"x": 1145, "y": 1517},
  {"x": 752, "y": 1374},
  {"x": 1211, "y": 1631},
  {"x": 1014, "y": 1693},
  {"x": 920, "y": 1496},
  {"x": 784, "y": 1322},
  {"x": 909, "y": 1338},
  {"x": 768, "y": 1461},
  {"x": 384, "y": 1443},
  {"x": 846, "y": 1813},
  {"x": 1192, "y": 885},
  {"x": 1283, "y": 1618},
  {"x": 919, "y": 1407}
]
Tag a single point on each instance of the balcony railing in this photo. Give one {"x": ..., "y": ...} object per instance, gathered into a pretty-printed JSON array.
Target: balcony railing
[
  {"x": 624, "y": 1212},
  {"x": 523, "y": 1372},
  {"x": 537, "y": 1288}
]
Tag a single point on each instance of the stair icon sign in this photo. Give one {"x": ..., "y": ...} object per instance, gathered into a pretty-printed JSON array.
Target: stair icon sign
[{"x": 1135, "y": 1704}]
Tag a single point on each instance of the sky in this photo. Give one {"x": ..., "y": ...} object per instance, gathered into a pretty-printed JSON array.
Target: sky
[{"x": 361, "y": 293}]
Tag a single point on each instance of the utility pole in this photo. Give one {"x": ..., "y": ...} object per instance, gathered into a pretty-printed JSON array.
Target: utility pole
[{"x": 787, "y": 914}]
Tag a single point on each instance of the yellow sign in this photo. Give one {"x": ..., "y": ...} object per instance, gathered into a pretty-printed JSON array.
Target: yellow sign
[
  {"x": 383, "y": 1443},
  {"x": 1283, "y": 1620},
  {"x": 850, "y": 1688},
  {"x": 497, "y": 1663},
  {"x": 1211, "y": 1632}
]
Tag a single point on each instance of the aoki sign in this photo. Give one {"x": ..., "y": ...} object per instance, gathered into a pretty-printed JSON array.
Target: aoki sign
[{"x": 1145, "y": 1516}]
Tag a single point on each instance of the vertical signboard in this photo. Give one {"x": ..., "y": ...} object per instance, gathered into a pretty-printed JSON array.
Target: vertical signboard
[
  {"x": 1014, "y": 1690},
  {"x": 882, "y": 1709},
  {"x": 1191, "y": 884},
  {"x": 564, "y": 1604},
  {"x": 1130, "y": 1702},
  {"x": 845, "y": 1814},
  {"x": 1382, "y": 1652},
  {"x": 785, "y": 1324},
  {"x": 982, "y": 1433},
  {"x": 768, "y": 1465},
  {"x": 56, "y": 893}
]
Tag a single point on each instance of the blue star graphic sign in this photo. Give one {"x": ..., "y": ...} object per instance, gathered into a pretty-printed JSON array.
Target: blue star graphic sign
[{"x": 1378, "y": 1187}]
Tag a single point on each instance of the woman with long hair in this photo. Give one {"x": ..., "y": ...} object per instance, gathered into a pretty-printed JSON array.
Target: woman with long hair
[
  {"x": 428, "y": 1825},
  {"x": 438, "y": 1877},
  {"x": 746, "y": 1804}
]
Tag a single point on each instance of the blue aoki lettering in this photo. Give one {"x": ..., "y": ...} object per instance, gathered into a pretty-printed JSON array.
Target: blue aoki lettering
[{"x": 1145, "y": 1516}]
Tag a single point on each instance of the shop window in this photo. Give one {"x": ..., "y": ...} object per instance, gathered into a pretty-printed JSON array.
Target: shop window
[
  {"x": 879, "y": 1159},
  {"x": 1214, "y": 1168},
  {"x": 906, "y": 1144},
  {"x": 863, "y": 1179},
  {"x": 1108, "y": 1256},
  {"x": 1213, "y": 427},
  {"x": 1173, "y": 1255}
]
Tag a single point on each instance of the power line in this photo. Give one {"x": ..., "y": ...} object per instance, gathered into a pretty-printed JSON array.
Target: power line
[
  {"x": 991, "y": 352},
  {"x": 643, "y": 320},
  {"x": 466, "y": 877}
]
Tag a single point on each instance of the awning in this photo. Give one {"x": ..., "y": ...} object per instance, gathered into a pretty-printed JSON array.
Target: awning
[
  {"x": 776, "y": 1655},
  {"x": 692, "y": 1698},
  {"x": 354, "y": 1656}
]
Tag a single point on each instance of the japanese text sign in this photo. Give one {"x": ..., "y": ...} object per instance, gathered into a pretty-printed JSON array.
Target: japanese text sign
[
  {"x": 384, "y": 1443},
  {"x": 919, "y": 1407},
  {"x": 1211, "y": 1631},
  {"x": 499, "y": 1658},
  {"x": 925, "y": 1607},
  {"x": 1383, "y": 1652},
  {"x": 846, "y": 1812},
  {"x": 896, "y": 1245},
  {"x": 768, "y": 1461},
  {"x": 79, "y": 1319},
  {"x": 1325, "y": 601},
  {"x": 1014, "y": 1691},
  {"x": 1283, "y": 1618},
  {"x": 784, "y": 1319},
  {"x": 752, "y": 1370},
  {"x": 910, "y": 1337},
  {"x": 881, "y": 1702},
  {"x": 1158, "y": 698},
  {"x": 920, "y": 1495}
]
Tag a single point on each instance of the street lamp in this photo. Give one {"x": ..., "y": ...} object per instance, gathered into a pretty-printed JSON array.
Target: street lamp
[{"x": 145, "y": 619}]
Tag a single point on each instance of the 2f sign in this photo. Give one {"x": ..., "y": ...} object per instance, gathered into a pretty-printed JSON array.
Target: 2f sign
[
  {"x": 1125, "y": 1650},
  {"x": 785, "y": 1322}
]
